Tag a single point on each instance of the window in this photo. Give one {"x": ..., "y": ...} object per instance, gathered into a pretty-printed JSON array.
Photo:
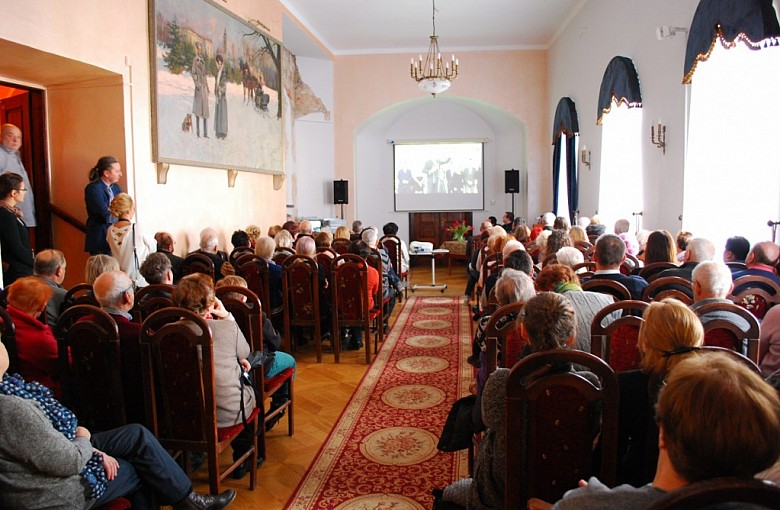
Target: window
[{"x": 563, "y": 183}]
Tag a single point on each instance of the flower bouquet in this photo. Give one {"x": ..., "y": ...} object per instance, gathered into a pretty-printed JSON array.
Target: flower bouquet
[{"x": 459, "y": 230}]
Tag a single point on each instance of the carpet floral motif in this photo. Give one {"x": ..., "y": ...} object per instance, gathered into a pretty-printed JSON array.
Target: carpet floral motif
[
  {"x": 382, "y": 454},
  {"x": 435, "y": 310}
]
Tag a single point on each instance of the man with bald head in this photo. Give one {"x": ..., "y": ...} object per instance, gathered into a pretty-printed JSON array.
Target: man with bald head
[
  {"x": 11, "y": 162},
  {"x": 761, "y": 261},
  {"x": 698, "y": 250}
]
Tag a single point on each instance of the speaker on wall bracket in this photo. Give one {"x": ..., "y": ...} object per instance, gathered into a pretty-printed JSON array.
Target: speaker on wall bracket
[
  {"x": 512, "y": 184},
  {"x": 341, "y": 194}
]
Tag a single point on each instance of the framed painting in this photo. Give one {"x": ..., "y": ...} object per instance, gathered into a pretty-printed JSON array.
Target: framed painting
[{"x": 216, "y": 88}]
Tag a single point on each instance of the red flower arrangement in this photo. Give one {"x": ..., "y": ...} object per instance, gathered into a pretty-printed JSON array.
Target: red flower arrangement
[{"x": 459, "y": 230}]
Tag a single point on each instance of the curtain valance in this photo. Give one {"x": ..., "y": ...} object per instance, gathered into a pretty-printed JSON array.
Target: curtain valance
[
  {"x": 750, "y": 21},
  {"x": 620, "y": 82},
  {"x": 565, "y": 119}
]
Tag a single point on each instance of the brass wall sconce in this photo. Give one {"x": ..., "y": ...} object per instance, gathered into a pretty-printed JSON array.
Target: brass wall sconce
[{"x": 660, "y": 140}]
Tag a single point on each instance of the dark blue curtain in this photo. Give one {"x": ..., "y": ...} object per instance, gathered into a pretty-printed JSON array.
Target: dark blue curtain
[
  {"x": 566, "y": 123},
  {"x": 751, "y": 20},
  {"x": 620, "y": 82}
]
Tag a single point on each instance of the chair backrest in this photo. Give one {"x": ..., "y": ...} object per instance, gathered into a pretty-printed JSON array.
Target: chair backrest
[
  {"x": 80, "y": 294},
  {"x": 325, "y": 260},
  {"x": 178, "y": 367},
  {"x": 8, "y": 337},
  {"x": 712, "y": 493},
  {"x": 238, "y": 252},
  {"x": 756, "y": 293},
  {"x": 669, "y": 286},
  {"x": 616, "y": 342},
  {"x": 631, "y": 263},
  {"x": 91, "y": 368},
  {"x": 737, "y": 356},
  {"x": 586, "y": 248},
  {"x": 737, "y": 266},
  {"x": 244, "y": 258},
  {"x": 724, "y": 329},
  {"x": 392, "y": 245},
  {"x": 553, "y": 416},
  {"x": 651, "y": 271},
  {"x": 550, "y": 259},
  {"x": 255, "y": 272},
  {"x": 606, "y": 286},
  {"x": 247, "y": 312},
  {"x": 375, "y": 260},
  {"x": 151, "y": 298},
  {"x": 491, "y": 264},
  {"x": 349, "y": 295},
  {"x": 587, "y": 265},
  {"x": 340, "y": 246},
  {"x": 300, "y": 290},
  {"x": 198, "y": 263},
  {"x": 502, "y": 329}
]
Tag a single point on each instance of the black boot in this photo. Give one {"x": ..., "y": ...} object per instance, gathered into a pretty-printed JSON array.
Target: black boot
[{"x": 195, "y": 501}]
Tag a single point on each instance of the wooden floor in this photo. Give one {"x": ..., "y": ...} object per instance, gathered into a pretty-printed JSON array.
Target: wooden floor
[{"x": 321, "y": 393}]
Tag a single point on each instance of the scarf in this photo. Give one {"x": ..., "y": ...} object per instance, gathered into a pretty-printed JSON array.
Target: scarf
[
  {"x": 13, "y": 210},
  {"x": 566, "y": 287},
  {"x": 63, "y": 420}
]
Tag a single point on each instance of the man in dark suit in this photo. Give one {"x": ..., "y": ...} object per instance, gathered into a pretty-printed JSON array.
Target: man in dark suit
[
  {"x": 98, "y": 194},
  {"x": 165, "y": 245},
  {"x": 209, "y": 246},
  {"x": 609, "y": 255},
  {"x": 698, "y": 250}
]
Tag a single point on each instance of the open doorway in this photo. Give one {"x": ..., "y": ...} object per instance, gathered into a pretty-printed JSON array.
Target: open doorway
[{"x": 24, "y": 107}]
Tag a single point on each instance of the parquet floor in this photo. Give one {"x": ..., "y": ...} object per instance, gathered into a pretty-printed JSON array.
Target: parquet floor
[{"x": 321, "y": 393}]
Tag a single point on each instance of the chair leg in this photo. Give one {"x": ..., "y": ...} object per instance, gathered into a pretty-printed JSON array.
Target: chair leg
[{"x": 290, "y": 406}]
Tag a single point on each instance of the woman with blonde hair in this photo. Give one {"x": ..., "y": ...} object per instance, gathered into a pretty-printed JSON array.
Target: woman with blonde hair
[
  {"x": 99, "y": 264},
  {"x": 577, "y": 234},
  {"x": 127, "y": 242},
  {"x": 670, "y": 333},
  {"x": 283, "y": 239},
  {"x": 341, "y": 233}
]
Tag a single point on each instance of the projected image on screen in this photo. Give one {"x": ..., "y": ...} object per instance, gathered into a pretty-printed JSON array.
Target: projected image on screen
[{"x": 438, "y": 176}]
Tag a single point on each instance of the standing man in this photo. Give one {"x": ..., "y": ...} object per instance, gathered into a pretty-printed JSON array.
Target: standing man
[
  {"x": 100, "y": 191},
  {"x": 200, "y": 101},
  {"x": 11, "y": 162},
  {"x": 220, "y": 108}
]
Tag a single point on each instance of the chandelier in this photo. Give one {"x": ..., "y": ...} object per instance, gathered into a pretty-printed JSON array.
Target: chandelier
[{"x": 432, "y": 74}]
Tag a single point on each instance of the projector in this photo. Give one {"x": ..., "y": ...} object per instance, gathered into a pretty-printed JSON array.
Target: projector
[{"x": 420, "y": 247}]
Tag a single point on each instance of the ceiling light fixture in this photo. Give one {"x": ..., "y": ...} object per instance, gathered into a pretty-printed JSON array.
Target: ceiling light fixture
[{"x": 432, "y": 75}]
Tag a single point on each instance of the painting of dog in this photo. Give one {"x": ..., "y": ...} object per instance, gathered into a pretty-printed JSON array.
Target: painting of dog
[{"x": 186, "y": 124}]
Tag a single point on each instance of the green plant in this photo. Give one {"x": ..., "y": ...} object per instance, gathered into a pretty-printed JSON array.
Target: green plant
[{"x": 459, "y": 230}]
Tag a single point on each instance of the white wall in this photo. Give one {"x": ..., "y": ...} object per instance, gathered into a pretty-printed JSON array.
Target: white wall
[
  {"x": 604, "y": 29},
  {"x": 442, "y": 118}
]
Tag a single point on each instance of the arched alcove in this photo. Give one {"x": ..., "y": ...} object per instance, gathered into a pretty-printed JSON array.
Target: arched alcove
[{"x": 442, "y": 118}]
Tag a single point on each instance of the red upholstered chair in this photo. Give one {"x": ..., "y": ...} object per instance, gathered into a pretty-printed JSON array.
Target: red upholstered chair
[
  {"x": 605, "y": 286},
  {"x": 151, "y": 298},
  {"x": 669, "y": 286},
  {"x": 723, "y": 332},
  {"x": 178, "y": 366},
  {"x": 340, "y": 246},
  {"x": 198, "y": 263},
  {"x": 552, "y": 419},
  {"x": 238, "y": 252},
  {"x": 8, "y": 337},
  {"x": 381, "y": 303},
  {"x": 392, "y": 245},
  {"x": 713, "y": 493},
  {"x": 301, "y": 293},
  {"x": 243, "y": 259},
  {"x": 616, "y": 342},
  {"x": 91, "y": 367},
  {"x": 281, "y": 254},
  {"x": 349, "y": 301},
  {"x": 325, "y": 260},
  {"x": 651, "y": 271},
  {"x": 756, "y": 293},
  {"x": 80, "y": 294}
]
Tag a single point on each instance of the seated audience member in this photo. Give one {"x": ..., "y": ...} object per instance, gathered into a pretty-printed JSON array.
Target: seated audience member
[
  {"x": 114, "y": 292},
  {"x": 577, "y": 234},
  {"x": 324, "y": 240},
  {"x": 341, "y": 232},
  {"x": 570, "y": 256},
  {"x": 513, "y": 287},
  {"x": 510, "y": 247},
  {"x": 522, "y": 234},
  {"x": 157, "y": 269},
  {"x": 36, "y": 346},
  {"x": 711, "y": 284},
  {"x": 555, "y": 241},
  {"x": 737, "y": 249},
  {"x": 72, "y": 468},
  {"x": 283, "y": 239},
  {"x": 305, "y": 246},
  {"x": 641, "y": 241},
  {"x": 561, "y": 279},
  {"x": 209, "y": 246},
  {"x": 472, "y": 256},
  {"x": 265, "y": 250},
  {"x": 561, "y": 223},
  {"x": 195, "y": 292},
  {"x": 769, "y": 343},
  {"x": 548, "y": 219},
  {"x": 681, "y": 243},
  {"x": 305, "y": 228},
  {"x": 670, "y": 333},
  {"x": 391, "y": 229},
  {"x": 272, "y": 343},
  {"x": 660, "y": 247},
  {"x": 610, "y": 253},
  {"x": 516, "y": 223},
  {"x": 97, "y": 265},
  {"x": 493, "y": 221},
  {"x": 697, "y": 250},
  {"x": 240, "y": 239},
  {"x": 583, "y": 221},
  {"x": 391, "y": 283},
  {"x": 714, "y": 415},
  {"x": 622, "y": 228},
  {"x": 761, "y": 261},
  {"x": 595, "y": 228},
  {"x": 273, "y": 230},
  {"x": 495, "y": 244},
  {"x": 165, "y": 245},
  {"x": 253, "y": 231},
  {"x": 548, "y": 323},
  {"x": 507, "y": 221},
  {"x": 352, "y": 338},
  {"x": 357, "y": 229},
  {"x": 291, "y": 227},
  {"x": 49, "y": 266}
]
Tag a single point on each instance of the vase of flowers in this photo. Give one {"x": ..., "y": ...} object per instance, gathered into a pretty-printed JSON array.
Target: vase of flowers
[{"x": 459, "y": 229}]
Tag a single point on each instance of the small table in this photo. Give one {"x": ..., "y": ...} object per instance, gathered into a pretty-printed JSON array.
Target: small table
[
  {"x": 433, "y": 285},
  {"x": 457, "y": 252}
]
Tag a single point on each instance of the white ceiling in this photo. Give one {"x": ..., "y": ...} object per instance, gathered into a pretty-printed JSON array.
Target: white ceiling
[{"x": 352, "y": 27}]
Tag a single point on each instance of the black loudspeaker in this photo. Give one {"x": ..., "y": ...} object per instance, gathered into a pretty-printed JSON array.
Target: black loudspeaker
[
  {"x": 341, "y": 192},
  {"x": 512, "y": 181}
]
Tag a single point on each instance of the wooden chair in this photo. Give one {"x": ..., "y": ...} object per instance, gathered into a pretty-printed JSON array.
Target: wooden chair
[
  {"x": 80, "y": 294},
  {"x": 340, "y": 246},
  {"x": 616, "y": 342},
  {"x": 552, "y": 418},
  {"x": 8, "y": 337},
  {"x": 238, "y": 252},
  {"x": 256, "y": 274},
  {"x": 737, "y": 266},
  {"x": 491, "y": 265},
  {"x": 151, "y": 298},
  {"x": 349, "y": 301},
  {"x": 669, "y": 286},
  {"x": 325, "y": 260},
  {"x": 587, "y": 266},
  {"x": 178, "y": 367},
  {"x": 392, "y": 245},
  {"x": 281, "y": 254},
  {"x": 198, "y": 263},
  {"x": 734, "y": 354},
  {"x": 91, "y": 368},
  {"x": 651, "y": 271},
  {"x": 630, "y": 265},
  {"x": 498, "y": 332},
  {"x": 586, "y": 249},
  {"x": 606, "y": 286},
  {"x": 243, "y": 259},
  {"x": 301, "y": 293},
  {"x": 756, "y": 293},
  {"x": 726, "y": 333},
  {"x": 550, "y": 259},
  {"x": 249, "y": 317},
  {"x": 712, "y": 493},
  {"x": 381, "y": 302}
]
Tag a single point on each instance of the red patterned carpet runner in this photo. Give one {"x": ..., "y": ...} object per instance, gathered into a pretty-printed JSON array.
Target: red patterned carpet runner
[{"x": 382, "y": 452}]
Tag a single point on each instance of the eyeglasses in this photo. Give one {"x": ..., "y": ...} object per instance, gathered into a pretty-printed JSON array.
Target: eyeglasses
[
  {"x": 21, "y": 189},
  {"x": 126, "y": 290}
]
